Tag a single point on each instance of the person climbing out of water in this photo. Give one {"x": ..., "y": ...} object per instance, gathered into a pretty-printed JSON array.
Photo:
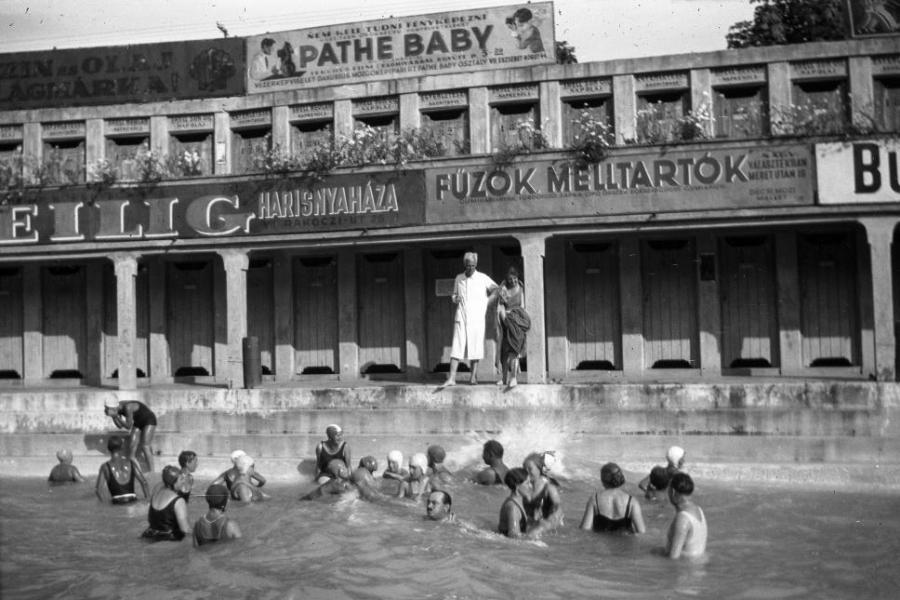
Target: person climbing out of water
[
  {"x": 513, "y": 514},
  {"x": 337, "y": 481},
  {"x": 167, "y": 516},
  {"x": 495, "y": 473},
  {"x": 65, "y": 471},
  {"x": 140, "y": 421},
  {"x": 437, "y": 470},
  {"x": 613, "y": 509},
  {"x": 418, "y": 482},
  {"x": 688, "y": 531},
  {"x": 394, "y": 474},
  {"x": 229, "y": 476},
  {"x": 439, "y": 506},
  {"x": 659, "y": 477},
  {"x": 214, "y": 526},
  {"x": 543, "y": 504},
  {"x": 331, "y": 448},
  {"x": 242, "y": 488},
  {"x": 118, "y": 475}
]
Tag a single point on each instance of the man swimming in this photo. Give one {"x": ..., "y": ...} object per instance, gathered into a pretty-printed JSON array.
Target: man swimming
[
  {"x": 495, "y": 473},
  {"x": 688, "y": 531},
  {"x": 439, "y": 506}
]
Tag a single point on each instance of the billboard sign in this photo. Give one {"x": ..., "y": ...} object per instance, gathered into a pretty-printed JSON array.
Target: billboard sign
[
  {"x": 874, "y": 17},
  {"x": 460, "y": 41},
  {"x": 858, "y": 172},
  {"x": 119, "y": 74}
]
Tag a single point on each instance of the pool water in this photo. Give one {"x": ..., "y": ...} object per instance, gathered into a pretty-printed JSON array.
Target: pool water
[{"x": 763, "y": 543}]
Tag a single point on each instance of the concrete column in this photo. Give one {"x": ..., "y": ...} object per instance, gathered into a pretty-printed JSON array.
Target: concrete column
[
  {"x": 348, "y": 316},
  {"x": 222, "y": 143},
  {"x": 414, "y": 299},
  {"x": 701, "y": 96},
  {"x": 624, "y": 107},
  {"x": 126, "y": 318},
  {"x": 551, "y": 113},
  {"x": 631, "y": 297},
  {"x": 283, "y": 273},
  {"x": 862, "y": 92},
  {"x": 32, "y": 148},
  {"x": 160, "y": 362},
  {"x": 534, "y": 248},
  {"x": 32, "y": 321},
  {"x": 410, "y": 117},
  {"x": 479, "y": 121},
  {"x": 95, "y": 145},
  {"x": 557, "y": 316},
  {"x": 343, "y": 119},
  {"x": 236, "y": 263},
  {"x": 281, "y": 128},
  {"x": 93, "y": 325},
  {"x": 780, "y": 94},
  {"x": 866, "y": 304},
  {"x": 709, "y": 318},
  {"x": 880, "y": 232},
  {"x": 788, "y": 282},
  {"x": 159, "y": 134}
]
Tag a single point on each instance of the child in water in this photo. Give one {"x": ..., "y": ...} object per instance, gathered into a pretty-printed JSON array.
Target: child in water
[
  {"x": 65, "y": 471},
  {"x": 418, "y": 483},
  {"x": 394, "y": 474}
]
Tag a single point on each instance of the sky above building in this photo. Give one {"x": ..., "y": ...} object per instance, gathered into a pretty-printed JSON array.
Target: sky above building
[{"x": 599, "y": 29}]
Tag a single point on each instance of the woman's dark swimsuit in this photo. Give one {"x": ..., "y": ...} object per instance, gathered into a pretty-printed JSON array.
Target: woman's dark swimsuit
[
  {"x": 605, "y": 524},
  {"x": 326, "y": 457},
  {"x": 207, "y": 532},
  {"x": 142, "y": 417},
  {"x": 541, "y": 506},
  {"x": 163, "y": 523},
  {"x": 120, "y": 493},
  {"x": 523, "y": 521}
]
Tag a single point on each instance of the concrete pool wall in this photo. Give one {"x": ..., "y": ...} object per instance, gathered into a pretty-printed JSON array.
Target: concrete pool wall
[{"x": 811, "y": 432}]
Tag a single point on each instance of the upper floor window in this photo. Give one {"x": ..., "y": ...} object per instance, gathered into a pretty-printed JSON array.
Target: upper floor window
[
  {"x": 191, "y": 144},
  {"x": 515, "y": 118},
  {"x": 62, "y": 154},
  {"x": 251, "y": 141},
  {"x": 659, "y": 117},
  {"x": 887, "y": 104},
  {"x": 575, "y": 112},
  {"x": 740, "y": 112},
  {"x": 444, "y": 123}
]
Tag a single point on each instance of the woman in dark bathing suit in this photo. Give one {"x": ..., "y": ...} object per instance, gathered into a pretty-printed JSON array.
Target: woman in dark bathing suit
[
  {"x": 141, "y": 423},
  {"x": 118, "y": 475},
  {"x": 513, "y": 516},
  {"x": 167, "y": 515},
  {"x": 613, "y": 509}
]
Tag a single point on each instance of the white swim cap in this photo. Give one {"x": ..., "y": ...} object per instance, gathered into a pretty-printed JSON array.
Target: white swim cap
[
  {"x": 675, "y": 454},
  {"x": 113, "y": 403},
  {"x": 419, "y": 460},
  {"x": 236, "y": 455},
  {"x": 396, "y": 456},
  {"x": 243, "y": 463},
  {"x": 549, "y": 460}
]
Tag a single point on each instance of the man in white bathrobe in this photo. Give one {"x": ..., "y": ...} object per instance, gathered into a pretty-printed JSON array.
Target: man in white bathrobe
[{"x": 471, "y": 293}]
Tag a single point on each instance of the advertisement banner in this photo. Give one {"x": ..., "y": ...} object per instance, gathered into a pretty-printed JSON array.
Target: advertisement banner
[
  {"x": 272, "y": 206},
  {"x": 118, "y": 74},
  {"x": 624, "y": 183},
  {"x": 873, "y": 17},
  {"x": 859, "y": 172},
  {"x": 473, "y": 40}
]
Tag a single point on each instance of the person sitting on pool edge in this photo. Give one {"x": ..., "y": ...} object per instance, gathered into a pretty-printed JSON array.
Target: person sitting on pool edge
[
  {"x": 513, "y": 516},
  {"x": 495, "y": 473},
  {"x": 394, "y": 474},
  {"x": 214, "y": 526},
  {"x": 242, "y": 489},
  {"x": 167, "y": 516},
  {"x": 658, "y": 479},
  {"x": 65, "y": 471},
  {"x": 331, "y": 448},
  {"x": 439, "y": 506},
  {"x": 613, "y": 509},
  {"x": 418, "y": 482},
  {"x": 688, "y": 530},
  {"x": 438, "y": 472},
  {"x": 118, "y": 475}
]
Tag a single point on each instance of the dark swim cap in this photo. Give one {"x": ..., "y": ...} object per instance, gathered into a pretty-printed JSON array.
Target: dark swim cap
[
  {"x": 170, "y": 475},
  {"x": 217, "y": 496}
]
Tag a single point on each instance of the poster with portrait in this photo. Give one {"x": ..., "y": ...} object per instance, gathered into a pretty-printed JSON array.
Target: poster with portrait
[
  {"x": 473, "y": 40},
  {"x": 874, "y": 17}
]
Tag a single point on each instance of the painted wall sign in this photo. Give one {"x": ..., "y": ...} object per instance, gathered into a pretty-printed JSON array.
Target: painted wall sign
[
  {"x": 661, "y": 81},
  {"x": 251, "y": 118},
  {"x": 815, "y": 69},
  {"x": 192, "y": 123},
  {"x": 459, "y": 41},
  {"x": 505, "y": 93},
  {"x": 888, "y": 64},
  {"x": 585, "y": 87},
  {"x": 625, "y": 183},
  {"x": 738, "y": 75},
  {"x": 118, "y": 74},
  {"x": 11, "y": 132},
  {"x": 458, "y": 98},
  {"x": 873, "y": 17},
  {"x": 63, "y": 129},
  {"x": 315, "y": 112},
  {"x": 123, "y": 126},
  {"x": 374, "y": 106},
  {"x": 216, "y": 210},
  {"x": 859, "y": 172}
]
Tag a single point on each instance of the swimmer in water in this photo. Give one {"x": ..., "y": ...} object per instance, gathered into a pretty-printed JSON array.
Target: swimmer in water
[
  {"x": 363, "y": 479},
  {"x": 229, "y": 476},
  {"x": 243, "y": 488},
  {"x": 439, "y": 506},
  {"x": 418, "y": 483},
  {"x": 331, "y": 448},
  {"x": 688, "y": 531},
  {"x": 394, "y": 474},
  {"x": 438, "y": 472},
  {"x": 188, "y": 462},
  {"x": 513, "y": 515},
  {"x": 495, "y": 473},
  {"x": 167, "y": 516},
  {"x": 337, "y": 482},
  {"x": 65, "y": 471},
  {"x": 214, "y": 526},
  {"x": 543, "y": 505},
  {"x": 118, "y": 474},
  {"x": 613, "y": 509},
  {"x": 659, "y": 477}
]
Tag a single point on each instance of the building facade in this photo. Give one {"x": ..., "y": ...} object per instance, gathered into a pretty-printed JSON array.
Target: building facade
[{"x": 735, "y": 217}]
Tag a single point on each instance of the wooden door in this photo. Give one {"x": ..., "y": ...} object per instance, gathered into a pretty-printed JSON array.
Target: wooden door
[
  {"x": 669, "y": 283},
  {"x": 190, "y": 317},
  {"x": 12, "y": 330},
  {"x": 593, "y": 313},
  {"x": 382, "y": 324},
  {"x": 63, "y": 297},
  {"x": 261, "y": 311},
  {"x": 315, "y": 315},
  {"x": 441, "y": 268},
  {"x": 747, "y": 290},
  {"x": 828, "y": 303}
]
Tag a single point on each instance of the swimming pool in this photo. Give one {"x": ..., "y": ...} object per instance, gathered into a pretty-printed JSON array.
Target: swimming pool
[{"x": 764, "y": 543}]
